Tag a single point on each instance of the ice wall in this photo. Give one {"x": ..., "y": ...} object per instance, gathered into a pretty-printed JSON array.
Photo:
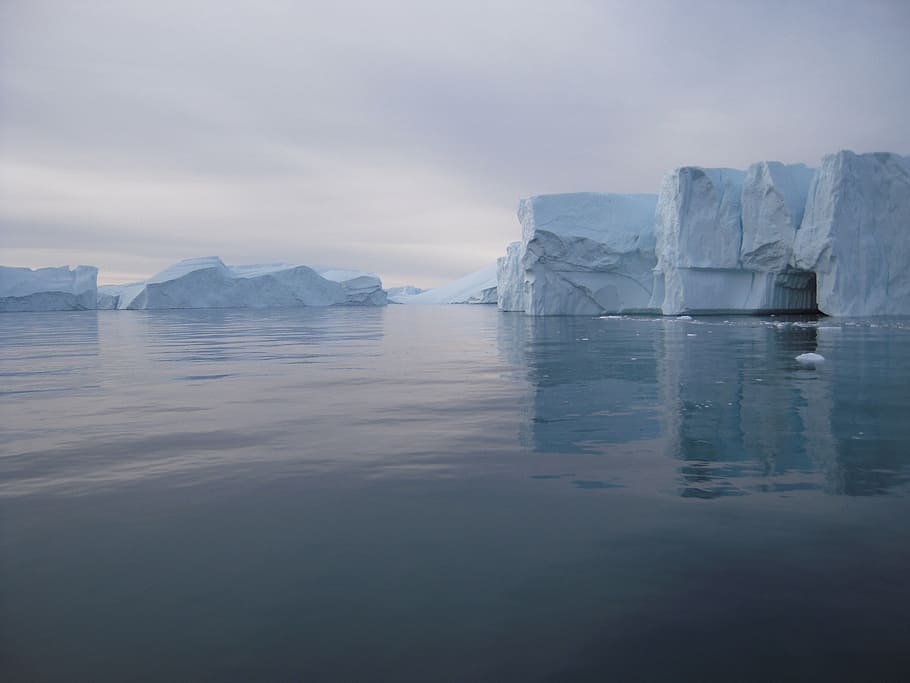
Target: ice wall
[
  {"x": 855, "y": 234},
  {"x": 725, "y": 240},
  {"x": 581, "y": 253},
  {"x": 510, "y": 283},
  {"x": 48, "y": 289}
]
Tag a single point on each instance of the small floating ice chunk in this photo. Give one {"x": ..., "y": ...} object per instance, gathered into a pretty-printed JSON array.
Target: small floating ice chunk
[
  {"x": 684, "y": 317},
  {"x": 691, "y": 334},
  {"x": 810, "y": 358}
]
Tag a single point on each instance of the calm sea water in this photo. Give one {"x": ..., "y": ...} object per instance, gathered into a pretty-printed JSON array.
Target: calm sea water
[{"x": 452, "y": 494}]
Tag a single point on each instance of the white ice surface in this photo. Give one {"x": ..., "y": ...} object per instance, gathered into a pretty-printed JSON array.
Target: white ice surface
[
  {"x": 510, "y": 282},
  {"x": 724, "y": 240},
  {"x": 478, "y": 287},
  {"x": 48, "y": 289},
  {"x": 773, "y": 203},
  {"x": 855, "y": 234},
  {"x": 208, "y": 283},
  {"x": 582, "y": 253},
  {"x": 404, "y": 290}
]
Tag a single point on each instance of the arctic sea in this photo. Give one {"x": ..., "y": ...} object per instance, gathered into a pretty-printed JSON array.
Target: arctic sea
[{"x": 450, "y": 493}]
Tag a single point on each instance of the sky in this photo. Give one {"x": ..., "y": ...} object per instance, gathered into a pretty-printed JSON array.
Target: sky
[{"x": 397, "y": 137}]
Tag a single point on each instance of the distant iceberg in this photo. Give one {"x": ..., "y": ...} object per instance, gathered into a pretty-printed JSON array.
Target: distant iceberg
[
  {"x": 405, "y": 290},
  {"x": 478, "y": 287},
  {"x": 208, "y": 283},
  {"x": 48, "y": 289}
]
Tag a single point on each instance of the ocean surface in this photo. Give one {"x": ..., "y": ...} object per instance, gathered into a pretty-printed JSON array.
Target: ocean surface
[{"x": 450, "y": 493}]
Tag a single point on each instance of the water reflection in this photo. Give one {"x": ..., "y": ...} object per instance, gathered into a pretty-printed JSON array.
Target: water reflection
[{"x": 726, "y": 399}]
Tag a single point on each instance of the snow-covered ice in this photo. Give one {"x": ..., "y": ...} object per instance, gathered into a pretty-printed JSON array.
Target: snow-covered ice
[
  {"x": 810, "y": 358},
  {"x": 48, "y": 289},
  {"x": 478, "y": 287}
]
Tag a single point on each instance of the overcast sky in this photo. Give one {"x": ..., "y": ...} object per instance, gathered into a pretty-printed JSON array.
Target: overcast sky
[{"x": 397, "y": 137}]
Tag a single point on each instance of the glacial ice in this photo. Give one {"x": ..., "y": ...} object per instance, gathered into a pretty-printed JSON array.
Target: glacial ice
[
  {"x": 581, "y": 253},
  {"x": 773, "y": 203},
  {"x": 775, "y": 237},
  {"x": 360, "y": 289},
  {"x": 724, "y": 240},
  {"x": 404, "y": 290},
  {"x": 478, "y": 287},
  {"x": 510, "y": 284},
  {"x": 208, "y": 283},
  {"x": 855, "y": 234},
  {"x": 810, "y": 358},
  {"x": 48, "y": 289}
]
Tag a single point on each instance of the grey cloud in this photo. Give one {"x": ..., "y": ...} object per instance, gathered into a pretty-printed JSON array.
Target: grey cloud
[{"x": 398, "y": 136}]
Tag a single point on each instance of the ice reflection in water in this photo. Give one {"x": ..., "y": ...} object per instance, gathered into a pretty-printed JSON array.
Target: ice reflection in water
[
  {"x": 726, "y": 397},
  {"x": 448, "y": 493}
]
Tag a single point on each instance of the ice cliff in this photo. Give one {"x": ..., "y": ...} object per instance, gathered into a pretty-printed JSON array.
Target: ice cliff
[
  {"x": 855, "y": 235},
  {"x": 208, "y": 283},
  {"x": 48, "y": 289},
  {"x": 478, "y": 287},
  {"x": 725, "y": 240},
  {"x": 580, "y": 253},
  {"x": 722, "y": 241}
]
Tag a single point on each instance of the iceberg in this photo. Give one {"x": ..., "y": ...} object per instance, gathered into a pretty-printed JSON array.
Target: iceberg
[
  {"x": 404, "y": 290},
  {"x": 48, "y": 289},
  {"x": 725, "y": 240},
  {"x": 855, "y": 234},
  {"x": 478, "y": 287},
  {"x": 773, "y": 202},
  {"x": 585, "y": 253},
  {"x": 360, "y": 288},
  {"x": 208, "y": 283},
  {"x": 510, "y": 283}
]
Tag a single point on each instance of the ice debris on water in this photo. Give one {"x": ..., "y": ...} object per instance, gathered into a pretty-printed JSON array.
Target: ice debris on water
[{"x": 810, "y": 358}]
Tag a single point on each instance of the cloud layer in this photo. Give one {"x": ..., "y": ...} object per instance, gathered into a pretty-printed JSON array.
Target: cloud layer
[{"x": 398, "y": 136}]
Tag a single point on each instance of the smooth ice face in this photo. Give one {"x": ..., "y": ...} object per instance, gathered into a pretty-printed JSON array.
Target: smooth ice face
[
  {"x": 773, "y": 202},
  {"x": 510, "y": 284},
  {"x": 724, "y": 240},
  {"x": 48, "y": 289},
  {"x": 855, "y": 234},
  {"x": 581, "y": 253},
  {"x": 208, "y": 283},
  {"x": 698, "y": 221},
  {"x": 478, "y": 287}
]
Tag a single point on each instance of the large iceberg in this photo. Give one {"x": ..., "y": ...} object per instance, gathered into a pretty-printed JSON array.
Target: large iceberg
[
  {"x": 478, "y": 287},
  {"x": 48, "y": 289},
  {"x": 775, "y": 237},
  {"x": 855, "y": 235},
  {"x": 581, "y": 253},
  {"x": 208, "y": 283},
  {"x": 725, "y": 240}
]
